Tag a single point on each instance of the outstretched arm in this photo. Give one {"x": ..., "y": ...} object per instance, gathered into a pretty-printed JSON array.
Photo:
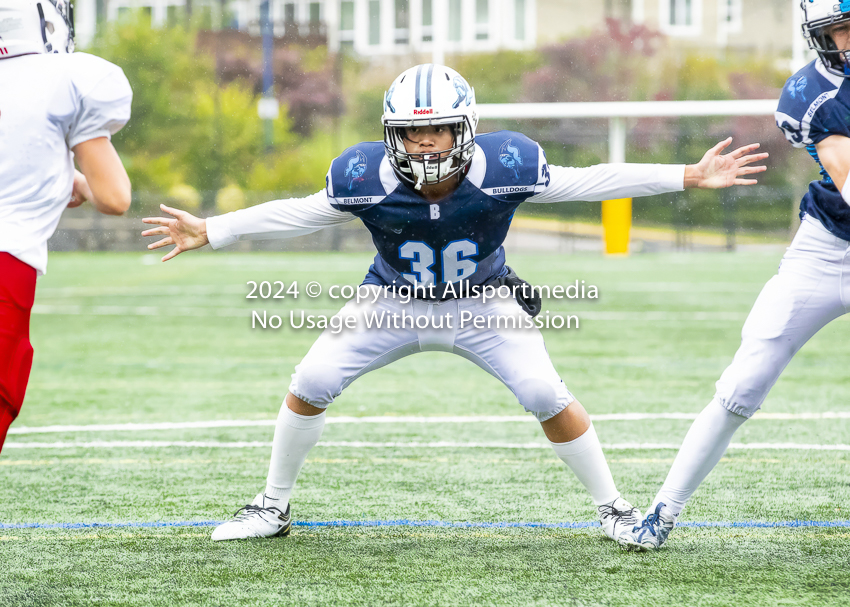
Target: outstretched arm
[
  {"x": 607, "y": 181},
  {"x": 275, "y": 219}
]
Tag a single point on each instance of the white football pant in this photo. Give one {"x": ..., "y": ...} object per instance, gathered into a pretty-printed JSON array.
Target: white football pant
[
  {"x": 517, "y": 357},
  {"x": 811, "y": 288}
]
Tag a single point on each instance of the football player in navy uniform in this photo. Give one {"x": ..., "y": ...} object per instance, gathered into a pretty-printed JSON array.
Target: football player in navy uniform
[
  {"x": 812, "y": 286},
  {"x": 55, "y": 106},
  {"x": 438, "y": 201}
]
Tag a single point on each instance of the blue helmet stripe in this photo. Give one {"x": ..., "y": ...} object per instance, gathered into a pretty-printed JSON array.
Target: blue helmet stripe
[
  {"x": 428, "y": 84},
  {"x": 418, "y": 88}
]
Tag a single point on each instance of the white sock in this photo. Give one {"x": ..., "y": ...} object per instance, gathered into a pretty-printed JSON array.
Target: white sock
[
  {"x": 585, "y": 458},
  {"x": 294, "y": 436},
  {"x": 704, "y": 445}
]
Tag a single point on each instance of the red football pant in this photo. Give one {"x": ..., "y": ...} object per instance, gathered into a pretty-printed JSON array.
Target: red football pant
[{"x": 17, "y": 292}]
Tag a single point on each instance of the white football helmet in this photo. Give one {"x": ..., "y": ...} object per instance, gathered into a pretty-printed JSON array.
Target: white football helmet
[
  {"x": 425, "y": 95},
  {"x": 818, "y": 15},
  {"x": 36, "y": 26}
]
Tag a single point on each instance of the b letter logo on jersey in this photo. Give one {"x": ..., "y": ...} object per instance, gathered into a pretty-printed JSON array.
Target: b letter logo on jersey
[
  {"x": 435, "y": 211},
  {"x": 510, "y": 158}
]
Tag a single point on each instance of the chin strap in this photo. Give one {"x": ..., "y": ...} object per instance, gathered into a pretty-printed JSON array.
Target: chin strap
[{"x": 48, "y": 47}]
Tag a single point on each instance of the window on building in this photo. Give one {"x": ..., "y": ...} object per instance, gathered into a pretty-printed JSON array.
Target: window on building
[
  {"x": 731, "y": 14},
  {"x": 427, "y": 21},
  {"x": 402, "y": 21},
  {"x": 374, "y": 22},
  {"x": 314, "y": 19},
  {"x": 519, "y": 19},
  {"x": 346, "y": 23},
  {"x": 315, "y": 12},
  {"x": 455, "y": 20},
  {"x": 681, "y": 13},
  {"x": 682, "y": 17},
  {"x": 482, "y": 19},
  {"x": 174, "y": 15}
]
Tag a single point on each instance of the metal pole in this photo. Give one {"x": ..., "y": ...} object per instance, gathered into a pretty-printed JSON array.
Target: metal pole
[
  {"x": 616, "y": 139},
  {"x": 268, "y": 76},
  {"x": 617, "y": 214}
]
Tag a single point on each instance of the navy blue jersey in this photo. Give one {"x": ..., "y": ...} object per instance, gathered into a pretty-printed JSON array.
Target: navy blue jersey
[
  {"x": 815, "y": 105},
  {"x": 459, "y": 238}
]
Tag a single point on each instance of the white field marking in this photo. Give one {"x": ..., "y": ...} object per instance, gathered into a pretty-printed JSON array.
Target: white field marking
[
  {"x": 659, "y": 316},
  {"x": 243, "y": 288},
  {"x": 221, "y": 312},
  {"x": 143, "y": 290},
  {"x": 78, "y": 310},
  {"x": 683, "y": 287},
  {"x": 385, "y": 419},
  {"x": 399, "y": 445},
  {"x": 156, "y": 311}
]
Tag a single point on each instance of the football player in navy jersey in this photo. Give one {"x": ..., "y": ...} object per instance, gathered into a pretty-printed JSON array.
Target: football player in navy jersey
[
  {"x": 438, "y": 201},
  {"x": 812, "y": 286}
]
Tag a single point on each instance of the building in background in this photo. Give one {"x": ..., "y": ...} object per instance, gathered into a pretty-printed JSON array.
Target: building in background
[{"x": 386, "y": 28}]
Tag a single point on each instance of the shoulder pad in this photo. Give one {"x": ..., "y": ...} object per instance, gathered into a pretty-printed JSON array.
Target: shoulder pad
[
  {"x": 512, "y": 162},
  {"x": 802, "y": 96},
  {"x": 87, "y": 71},
  {"x": 354, "y": 178}
]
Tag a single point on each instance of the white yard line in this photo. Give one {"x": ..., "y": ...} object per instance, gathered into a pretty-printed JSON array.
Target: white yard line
[
  {"x": 275, "y": 308},
  {"x": 457, "y": 419},
  {"x": 397, "y": 445},
  {"x": 241, "y": 287}
]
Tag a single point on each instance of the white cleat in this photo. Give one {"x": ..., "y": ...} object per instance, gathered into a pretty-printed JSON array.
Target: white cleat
[
  {"x": 255, "y": 520},
  {"x": 617, "y": 518},
  {"x": 652, "y": 532}
]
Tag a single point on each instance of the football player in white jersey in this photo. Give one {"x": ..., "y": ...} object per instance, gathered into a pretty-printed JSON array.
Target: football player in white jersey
[
  {"x": 438, "y": 200},
  {"x": 812, "y": 286},
  {"x": 55, "y": 106}
]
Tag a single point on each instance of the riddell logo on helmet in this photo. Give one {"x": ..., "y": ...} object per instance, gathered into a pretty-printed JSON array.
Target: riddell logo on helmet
[{"x": 423, "y": 111}]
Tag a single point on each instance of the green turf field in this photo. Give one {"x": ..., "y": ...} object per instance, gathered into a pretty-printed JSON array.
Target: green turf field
[{"x": 120, "y": 338}]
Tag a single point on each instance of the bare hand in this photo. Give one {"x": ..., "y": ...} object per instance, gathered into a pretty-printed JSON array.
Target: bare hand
[
  {"x": 185, "y": 231},
  {"x": 715, "y": 171},
  {"x": 81, "y": 192}
]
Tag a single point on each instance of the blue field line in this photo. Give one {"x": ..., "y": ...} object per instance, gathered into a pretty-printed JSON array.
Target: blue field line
[{"x": 445, "y": 524}]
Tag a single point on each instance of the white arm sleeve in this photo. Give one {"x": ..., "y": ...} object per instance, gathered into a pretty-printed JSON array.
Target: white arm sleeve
[
  {"x": 103, "y": 98},
  {"x": 276, "y": 219},
  {"x": 609, "y": 181}
]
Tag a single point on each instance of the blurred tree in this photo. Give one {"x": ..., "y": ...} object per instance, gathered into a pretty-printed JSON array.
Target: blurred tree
[
  {"x": 303, "y": 75},
  {"x": 189, "y": 130}
]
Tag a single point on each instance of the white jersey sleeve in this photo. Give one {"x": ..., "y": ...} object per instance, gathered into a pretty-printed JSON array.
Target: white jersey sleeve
[
  {"x": 103, "y": 99},
  {"x": 606, "y": 181},
  {"x": 276, "y": 219}
]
